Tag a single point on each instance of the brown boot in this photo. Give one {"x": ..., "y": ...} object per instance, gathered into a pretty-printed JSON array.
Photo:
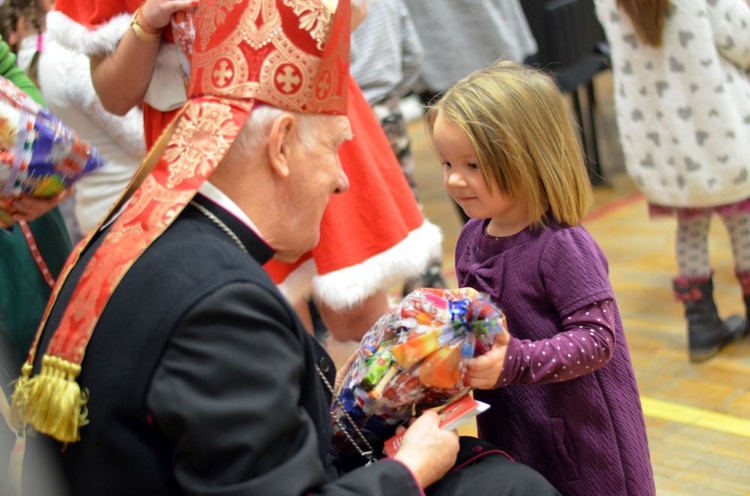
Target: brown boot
[
  {"x": 744, "y": 278},
  {"x": 707, "y": 333}
]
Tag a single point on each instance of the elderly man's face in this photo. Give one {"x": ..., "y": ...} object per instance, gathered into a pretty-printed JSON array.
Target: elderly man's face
[{"x": 317, "y": 174}]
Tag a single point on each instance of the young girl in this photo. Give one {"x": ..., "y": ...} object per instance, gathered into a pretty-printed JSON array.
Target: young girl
[
  {"x": 561, "y": 385},
  {"x": 24, "y": 23}
]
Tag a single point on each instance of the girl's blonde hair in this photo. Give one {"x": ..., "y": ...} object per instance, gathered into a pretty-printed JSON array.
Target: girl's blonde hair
[
  {"x": 648, "y": 17},
  {"x": 521, "y": 129}
]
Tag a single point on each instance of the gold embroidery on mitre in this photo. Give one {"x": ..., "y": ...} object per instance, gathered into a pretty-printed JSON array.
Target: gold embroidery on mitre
[
  {"x": 324, "y": 85},
  {"x": 288, "y": 78},
  {"x": 285, "y": 77},
  {"x": 330, "y": 4},
  {"x": 314, "y": 17},
  {"x": 224, "y": 69},
  {"x": 225, "y": 72},
  {"x": 260, "y": 23},
  {"x": 201, "y": 139},
  {"x": 213, "y": 16}
]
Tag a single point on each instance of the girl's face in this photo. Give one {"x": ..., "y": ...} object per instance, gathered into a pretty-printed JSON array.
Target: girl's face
[{"x": 464, "y": 182}]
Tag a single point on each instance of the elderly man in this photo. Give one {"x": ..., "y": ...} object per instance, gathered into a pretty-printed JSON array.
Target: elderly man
[{"x": 169, "y": 362}]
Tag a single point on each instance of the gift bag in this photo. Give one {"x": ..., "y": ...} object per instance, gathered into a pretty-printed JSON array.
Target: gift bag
[
  {"x": 412, "y": 359},
  {"x": 39, "y": 155}
]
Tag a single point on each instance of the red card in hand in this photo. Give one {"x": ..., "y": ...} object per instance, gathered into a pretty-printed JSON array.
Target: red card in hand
[{"x": 452, "y": 416}]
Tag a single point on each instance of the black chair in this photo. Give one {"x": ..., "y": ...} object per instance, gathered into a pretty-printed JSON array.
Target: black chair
[{"x": 573, "y": 48}]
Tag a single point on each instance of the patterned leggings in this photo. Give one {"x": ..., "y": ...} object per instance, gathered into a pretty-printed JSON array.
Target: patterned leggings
[{"x": 692, "y": 243}]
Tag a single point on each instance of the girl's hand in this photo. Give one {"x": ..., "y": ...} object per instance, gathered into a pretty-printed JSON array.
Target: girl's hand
[
  {"x": 158, "y": 13},
  {"x": 485, "y": 370},
  {"x": 29, "y": 208}
]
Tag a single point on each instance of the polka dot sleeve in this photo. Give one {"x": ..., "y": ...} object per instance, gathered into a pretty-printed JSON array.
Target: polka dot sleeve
[{"x": 583, "y": 345}]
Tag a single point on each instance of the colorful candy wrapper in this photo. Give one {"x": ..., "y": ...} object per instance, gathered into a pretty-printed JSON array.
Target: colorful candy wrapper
[
  {"x": 39, "y": 154},
  {"x": 412, "y": 359}
]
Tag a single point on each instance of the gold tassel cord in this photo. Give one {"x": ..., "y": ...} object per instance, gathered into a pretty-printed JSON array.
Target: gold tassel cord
[
  {"x": 20, "y": 398},
  {"x": 52, "y": 401}
]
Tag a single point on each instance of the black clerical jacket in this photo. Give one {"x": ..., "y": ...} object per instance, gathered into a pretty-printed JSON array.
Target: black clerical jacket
[{"x": 202, "y": 379}]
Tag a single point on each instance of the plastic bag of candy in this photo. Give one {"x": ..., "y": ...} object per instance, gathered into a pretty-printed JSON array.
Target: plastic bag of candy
[
  {"x": 412, "y": 359},
  {"x": 39, "y": 154}
]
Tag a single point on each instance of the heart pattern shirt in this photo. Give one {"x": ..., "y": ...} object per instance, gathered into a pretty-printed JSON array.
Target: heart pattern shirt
[{"x": 683, "y": 109}]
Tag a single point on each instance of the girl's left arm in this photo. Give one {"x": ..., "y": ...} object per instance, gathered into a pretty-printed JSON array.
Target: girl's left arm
[
  {"x": 584, "y": 345},
  {"x": 573, "y": 274}
]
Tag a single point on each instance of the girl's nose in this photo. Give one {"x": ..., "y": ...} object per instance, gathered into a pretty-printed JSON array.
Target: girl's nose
[{"x": 454, "y": 179}]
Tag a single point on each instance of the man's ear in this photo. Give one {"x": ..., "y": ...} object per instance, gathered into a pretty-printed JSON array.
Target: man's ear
[{"x": 281, "y": 139}]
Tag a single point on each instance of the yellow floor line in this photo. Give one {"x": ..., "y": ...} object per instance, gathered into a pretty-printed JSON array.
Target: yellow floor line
[{"x": 697, "y": 417}]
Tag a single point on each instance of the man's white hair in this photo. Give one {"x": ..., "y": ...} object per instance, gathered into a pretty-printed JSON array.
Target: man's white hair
[{"x": 255, "y": 132}]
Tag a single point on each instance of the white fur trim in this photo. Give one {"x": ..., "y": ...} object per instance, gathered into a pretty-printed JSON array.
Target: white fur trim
[
  {"x": 298, "y": 285},
  {"x": 99, "y": 41},
  {"x": 347, "y": 287}
]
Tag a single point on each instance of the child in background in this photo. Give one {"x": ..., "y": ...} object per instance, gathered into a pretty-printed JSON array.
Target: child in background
[
  {"x": 682, "y": 105},
  {"x": 561, "y": 384},
  {"x": 24, "y": 25}
]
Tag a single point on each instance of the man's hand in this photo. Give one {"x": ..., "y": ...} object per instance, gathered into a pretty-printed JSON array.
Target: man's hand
[
  {"x": 485, "y": 370},
  {"x": 341, "y": 373},
  {"x": 427, "y": 450}
]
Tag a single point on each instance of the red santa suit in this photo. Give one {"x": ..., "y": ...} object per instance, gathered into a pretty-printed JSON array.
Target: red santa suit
[{"x": 373, "y": 236}]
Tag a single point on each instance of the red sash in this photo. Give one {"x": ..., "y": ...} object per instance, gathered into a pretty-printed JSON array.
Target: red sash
[{"x": 183, "y": 158}]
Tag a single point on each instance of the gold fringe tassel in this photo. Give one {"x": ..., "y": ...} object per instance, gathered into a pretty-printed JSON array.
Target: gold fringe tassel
[
  {"x": 20, "y": 398},
  {"x": 52, "y": 401}
]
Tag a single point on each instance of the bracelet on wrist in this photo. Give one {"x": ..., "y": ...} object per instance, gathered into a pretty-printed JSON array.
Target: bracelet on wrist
[
  {"x": 143, "y": 30},
  {"x": 145, "y": 25},
  {"x": 143, "y": 35}
]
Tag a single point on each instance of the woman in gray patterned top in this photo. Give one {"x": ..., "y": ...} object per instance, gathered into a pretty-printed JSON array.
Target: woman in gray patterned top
[{"x": 683, "y": 109}]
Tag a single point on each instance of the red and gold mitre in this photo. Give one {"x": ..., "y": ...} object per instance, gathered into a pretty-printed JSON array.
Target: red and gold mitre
[
  {"x": 291, "y": 54},
  {"x": 285, "y": 53}
]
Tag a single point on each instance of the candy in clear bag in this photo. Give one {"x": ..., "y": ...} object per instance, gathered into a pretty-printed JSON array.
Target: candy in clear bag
[{"x": 412, "y": 359}]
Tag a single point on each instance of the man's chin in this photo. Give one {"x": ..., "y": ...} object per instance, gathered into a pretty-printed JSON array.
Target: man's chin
[{"x": 291, "y": 256}]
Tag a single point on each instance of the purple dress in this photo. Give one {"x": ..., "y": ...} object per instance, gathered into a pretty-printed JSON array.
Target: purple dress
[{"x": 571, "y": 408}]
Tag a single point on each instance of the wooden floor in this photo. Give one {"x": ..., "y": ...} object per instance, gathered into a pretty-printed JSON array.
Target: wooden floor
[{"x": 698, "y": 416}]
